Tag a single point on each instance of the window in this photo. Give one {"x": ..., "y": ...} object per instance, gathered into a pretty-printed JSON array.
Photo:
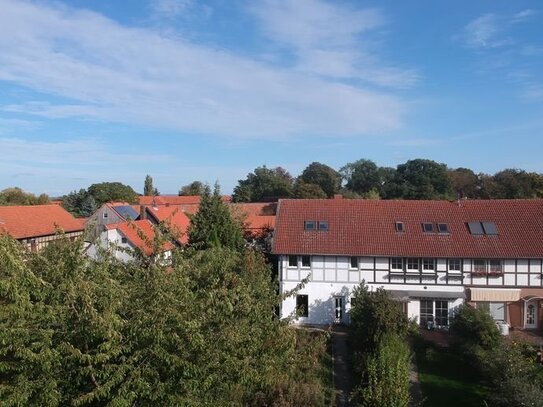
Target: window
[
  {"x": 302, "y": 305},
  {"x": 412, "y": 264},
  {"x": 292, "y": 261},
  {"x": 495, "y": 309},
  {"x": 396, "y": 263},
  {"x": 124, "y": 240},
  {"x": 490, "y": 228},
  {"x": 400, "y": 227},
  {"x": 475, "y": 228},
  {"x": 479, "y": 266},
  {"x": 434, "y": 313},
  {"x": 105, "y": 215},
  {"x": 428, "y": 227},
  {"x": 495, "y": 266},
  {"x": 426, "y": 313},
  {"x": 309, "y": 225},
  {"x": 442, "y": 313},
  {"x": 455, "y": 265},
  {"x": 306, "y": 261},
  {"x": 442, "y": 228},
  {"x": 323, "y": 225},
  {"x": 354, "y": 262},
  {"x": 428, "y": 265}
]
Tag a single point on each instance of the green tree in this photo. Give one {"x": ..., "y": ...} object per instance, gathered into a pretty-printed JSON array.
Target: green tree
[
  {"x": 192, "y": 189},
  {"x": 264, "y": 184},
  {"x": 79, "y": 203},
  {"x": 465, "y": 183},
  {"x": 148, "y": 189},
  {"x": 424, "y": 179},
  {"x": 112, "y": 191},
  {"x": 303, "y": 190},
  {"x": 213, "y": 224},
  {"x": 515, "y": 183},
  {"x": 328, "y": 179},
  {"x": 361, "y": 176},
  {"x": 16, "y": 196}
]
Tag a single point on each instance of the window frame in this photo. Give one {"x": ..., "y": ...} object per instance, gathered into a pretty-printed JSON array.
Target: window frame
[
  {"x": 396, "y": 260},
  {"x": 323, "y": 226},
  {"x": 495, "y": 266},
  {"x": 428, "y": 265},
  {"x": 480, "y": 268},
  {"x": 400, "y": 226},
  {"x": 429, "y": 226},
  {"x": 105, "y": 215},
  {"x": 409, "y": 262},
  {"x": 443, "y": 228},
  {"x": 311, "y": 223},
  {"x": 454, "y": 270},
  {"x": 302, "y": 300},
  {"x": 292, "y": 257},
  {"x": 303, "y": 264},
  {"x": 356, "y": 262}
]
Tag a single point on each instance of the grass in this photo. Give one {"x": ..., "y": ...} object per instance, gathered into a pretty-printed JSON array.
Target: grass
[{"x": 446, "y": 380}]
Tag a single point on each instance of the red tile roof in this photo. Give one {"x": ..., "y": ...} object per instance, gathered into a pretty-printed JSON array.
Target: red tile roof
[
  {"x": 140, "y": 234},
  {"x": 169, "y": 199},
  {"x": 37, "y": 220},
  {"x": 367, "y": 228},
  {"x": 173, "y": 216},
  {"x": 258, "y": 225}
]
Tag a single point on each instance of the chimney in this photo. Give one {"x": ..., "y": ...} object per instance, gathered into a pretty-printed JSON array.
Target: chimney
[{"x": 143, "y": 212}]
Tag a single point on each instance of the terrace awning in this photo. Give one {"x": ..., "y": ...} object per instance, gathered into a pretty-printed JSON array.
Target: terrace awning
[{"x": 494, "y": 294}]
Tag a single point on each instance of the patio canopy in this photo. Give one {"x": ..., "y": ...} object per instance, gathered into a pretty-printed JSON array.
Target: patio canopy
[
  {"x": 406, "y": 295},
  {"x": 494, "y": 294}
]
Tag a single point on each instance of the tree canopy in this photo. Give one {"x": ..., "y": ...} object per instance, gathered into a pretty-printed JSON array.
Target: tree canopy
[
  {"x": 148, "y": 189},
  {"x": 213, "y": 224},
  {"x": 16, "y": 196},
  {"x": 80, "y": 203},
  {"x": 192, "y": 189},
  {"x": 112, "y": 191},
  {"x": 323, "y": 176},
  {"x": 264, "y": 184}
]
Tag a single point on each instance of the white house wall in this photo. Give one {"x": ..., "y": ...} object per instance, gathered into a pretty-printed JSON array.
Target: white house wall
[{"x": 330, "y": 276}]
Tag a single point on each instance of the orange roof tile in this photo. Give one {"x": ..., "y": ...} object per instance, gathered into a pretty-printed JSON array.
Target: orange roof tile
[
  {"x": 37, "y": 220},
  {"x": 367, "y": 228},
  {"x": 140, "y": 234},
  {"x": 169, "y": 200},
  {"x": 173, "y": 216}
]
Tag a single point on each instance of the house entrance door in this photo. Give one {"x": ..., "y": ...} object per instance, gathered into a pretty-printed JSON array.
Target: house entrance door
[
  {"x": 338, "y": 302},
  {"x": 531, "y": 316}
]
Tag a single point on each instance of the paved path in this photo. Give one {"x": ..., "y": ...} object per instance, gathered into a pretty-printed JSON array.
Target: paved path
[{"x": 342, "y": 365}]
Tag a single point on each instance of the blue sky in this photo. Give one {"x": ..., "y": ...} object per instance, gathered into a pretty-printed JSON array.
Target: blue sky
[{"x": 208, "y": 90}]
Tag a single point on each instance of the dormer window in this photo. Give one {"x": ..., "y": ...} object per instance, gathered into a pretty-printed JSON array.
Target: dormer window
[
  {"x": 442, "y": 228},
  {"x": 309, "y": 225},
  {"x": 323, "y": 225},
  {"x": 400, "y": 227},
  {"x": 428, "y": 227}
]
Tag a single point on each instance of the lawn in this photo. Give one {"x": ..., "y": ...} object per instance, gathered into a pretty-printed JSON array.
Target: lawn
[{"x": 446, "y": 380}]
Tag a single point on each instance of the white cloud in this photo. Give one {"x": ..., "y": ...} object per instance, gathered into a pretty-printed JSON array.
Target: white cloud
[
  {"x": 482, "y": 32},
  {"x": 328, "y": 39},
  {"x": 107, "y": 71},
  {"x": 169, "y": 8},
  {"x": 522, "y": 16}
]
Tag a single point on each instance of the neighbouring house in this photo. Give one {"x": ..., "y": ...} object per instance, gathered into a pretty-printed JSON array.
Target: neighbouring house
[
  {"x": 127, "y": 239},
  {"x": 36, "y": 226},
  {"x": 173, "y": 217},
  {"x": 163, "y": 200},
  {"x": 258, "y": 218},
  {"x": 111, "y": 213},
  {"x": 431, "y": 255}
]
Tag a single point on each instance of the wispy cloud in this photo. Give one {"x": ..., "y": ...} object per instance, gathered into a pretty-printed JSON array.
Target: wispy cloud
[
  {"x": 169, "y": 8},
  {"x": 330, "y": 39},
  {"x": 484, "y": 32},
  {"x": 522, "y": 16},
  {"x": 106, "y": 71}
]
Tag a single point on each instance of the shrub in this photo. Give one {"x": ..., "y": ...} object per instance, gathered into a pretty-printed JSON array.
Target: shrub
[{"x": 474, "y": 329}]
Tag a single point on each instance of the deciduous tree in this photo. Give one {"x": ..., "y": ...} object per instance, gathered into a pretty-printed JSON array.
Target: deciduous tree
[{"x": 264, "y": 184}]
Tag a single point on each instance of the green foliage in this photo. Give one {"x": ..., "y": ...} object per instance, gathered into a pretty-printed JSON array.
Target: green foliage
[
  {"x": 465, "y": 183},
  {"x": 474, "y": 329},
  {"x": 192, "y": 189},
  {"x": 323, "y": 176},
  {"x": 386, "y": 379},
  {"x": 303, "y": 190},
  {"x": 201, "y": 332},
  {"x": 513, "y": 375},
  {"x": 148, "y": 189},
  {"x": 16, "y": 196},
  {"x": 361, "y": 176},
  {"x": 373, "y": 316},
  {"x": 112, "y": 191},
  {"x": 264, "y": 184},
  {"x": 80, "y": 203},
  {"x": 424, "y": 179},
  {"x": 213, "y": 225},
  {"x": 514, "y": 183}
]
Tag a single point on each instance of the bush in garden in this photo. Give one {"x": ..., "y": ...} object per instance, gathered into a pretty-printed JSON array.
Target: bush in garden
[{"x": 475, "y": 330}]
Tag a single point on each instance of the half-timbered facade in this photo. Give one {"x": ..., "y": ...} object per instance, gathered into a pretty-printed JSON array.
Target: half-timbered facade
[{"x": 432, "y": 256}]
